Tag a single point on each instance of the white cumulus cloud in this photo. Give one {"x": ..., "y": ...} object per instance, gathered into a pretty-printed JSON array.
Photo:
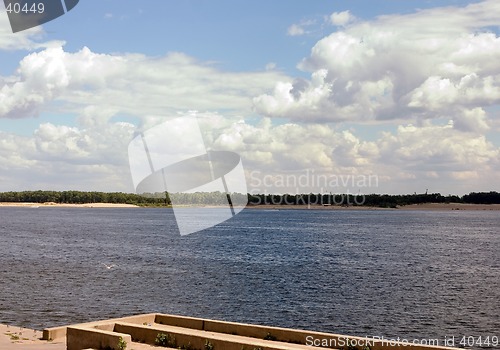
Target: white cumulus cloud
[
  {"x": 341, "y": 18},
  {"x": 131, "y": 83},
  {"x": 433, "y": 63},
  {"x": 295, "y": 30},
  {"x": 29, "y": 39}
]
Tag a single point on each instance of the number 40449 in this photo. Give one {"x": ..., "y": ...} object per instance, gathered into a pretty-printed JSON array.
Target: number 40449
[
  {"x": 18, "y": 8},
  {"x": 480, "y": 341}
]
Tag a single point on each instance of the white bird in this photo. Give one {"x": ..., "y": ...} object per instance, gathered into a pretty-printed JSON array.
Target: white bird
[{"x": 110, "y": 266}]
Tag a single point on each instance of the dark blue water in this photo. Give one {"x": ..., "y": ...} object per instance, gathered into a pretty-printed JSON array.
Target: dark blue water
[{"x": 378, "y": 273}]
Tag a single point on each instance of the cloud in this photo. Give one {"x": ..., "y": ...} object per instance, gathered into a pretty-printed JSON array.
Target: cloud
[
  {"x": 292, "y": 147},
  {"x": 130, "y": 83},
  {"x": 341, "y": 18},
  {"x": 440, "y": 157},
  {"x": 41, "y": 77},
  {"x": 26, "y": 40},
  {"x": 93, "y": 154},
  {"x": 61, "y": 157},
  {"x": 437, "y": 148},
  {"x": 299, "y": 29},
  {"x": 415, "y": 71},
  {"x": 434, "y": 63},
  {"x": 472, "y": 120},
  {"x": 271, "y": 66},
  {"x": 295, "y": 30}
]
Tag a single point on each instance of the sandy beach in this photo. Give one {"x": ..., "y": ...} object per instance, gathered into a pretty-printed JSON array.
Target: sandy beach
[
  {"x": 450, "y": 206},
  {"x": 12, "y": 337},
  {"x": 64, "y": 205},
  {"x": 425, "y": 206}
]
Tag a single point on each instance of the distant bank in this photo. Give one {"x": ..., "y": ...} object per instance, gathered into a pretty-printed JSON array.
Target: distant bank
[
  {"x": 432, "y": 201},
  {"x": 66, "y": 205},
  {"x": 423, "y": 206}
]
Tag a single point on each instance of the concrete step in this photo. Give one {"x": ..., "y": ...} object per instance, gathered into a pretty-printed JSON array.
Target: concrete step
[
  {"x": 198, "y": 339},
  {"x": 140, "y": 333}
]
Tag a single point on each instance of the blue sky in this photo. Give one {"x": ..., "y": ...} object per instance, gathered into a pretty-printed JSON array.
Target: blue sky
[
  {"x": 238, "y": 35},
  {"x": 406, "y": 90}
]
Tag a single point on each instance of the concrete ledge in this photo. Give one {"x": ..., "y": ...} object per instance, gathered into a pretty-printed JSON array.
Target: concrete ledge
[
  {"x": 297, "y": 336},
  {"x": 285, "y": 335},
  {"x": 79, "y": 338},
  {"x": 180, "y": 321},
  {"x": 197, "y": 338},
  {"x": 60, "y": 332},
  {"x": 223, "y": 335}
]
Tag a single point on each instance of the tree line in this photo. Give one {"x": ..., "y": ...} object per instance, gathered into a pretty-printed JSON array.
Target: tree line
[
  {"x": 373, "y": 200},
  {"x": 81, "y": 197},
  {"x": 217, "y": 198}
]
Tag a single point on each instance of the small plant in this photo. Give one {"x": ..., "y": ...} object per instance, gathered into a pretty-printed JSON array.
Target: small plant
[
  {"x": 269, "y": 336},
  {"x": 187, "y": 347},
  {"x": 165, "y": 340},
  {"x": 122, "y": 344},
  {"x": 14, "y": 337},
  {"x": 209, "y": 345}
]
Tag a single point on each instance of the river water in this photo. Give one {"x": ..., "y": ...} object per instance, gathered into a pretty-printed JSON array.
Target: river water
[{"x": 386, "y": 273}]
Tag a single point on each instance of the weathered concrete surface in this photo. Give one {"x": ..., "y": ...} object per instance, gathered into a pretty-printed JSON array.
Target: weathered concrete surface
[
  {"x": 195, "y": 332},
  {"x": 80, "y": 338},
  {"x": 196, "y": 338},
  {"x": 285, "y": 335},
  {"x": 60, "y": 332}
]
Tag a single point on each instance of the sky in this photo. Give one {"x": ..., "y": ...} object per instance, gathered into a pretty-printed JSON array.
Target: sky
[{"x": 394, "y": 96}]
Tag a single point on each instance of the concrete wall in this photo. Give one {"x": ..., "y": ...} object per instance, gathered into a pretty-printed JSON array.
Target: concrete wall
[
  {"x": 60, "y": 332},
  {"x": 144, "y": 334},
  {"x": 180, "y": 321},
  {"x": 195, "y": 331},
  {"x": 79, "y": 338},
  {"x": 197, "y": 338},
  {"x": 283, "y": 334}
]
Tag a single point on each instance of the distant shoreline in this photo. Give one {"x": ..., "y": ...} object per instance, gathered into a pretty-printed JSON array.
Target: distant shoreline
[
  {"x": 424, "y": 206},
  {"x": 66, "y": 205}
]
